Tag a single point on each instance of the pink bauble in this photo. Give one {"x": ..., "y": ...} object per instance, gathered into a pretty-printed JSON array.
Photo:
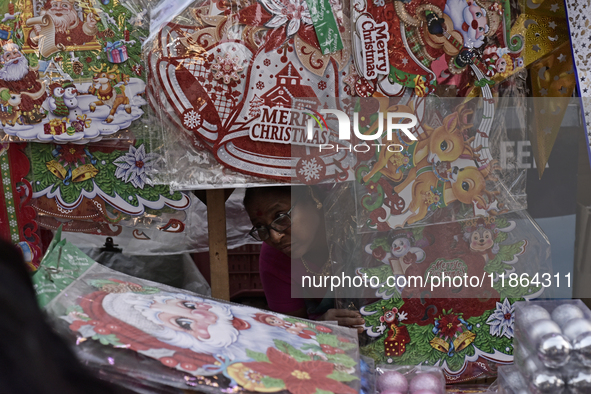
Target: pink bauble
[
  {"x": 426, "y": 382},
  {"x": 393, "y": 381}
]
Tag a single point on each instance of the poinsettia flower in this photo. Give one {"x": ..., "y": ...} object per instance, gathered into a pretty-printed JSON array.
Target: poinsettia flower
[
  {"x": 287, "y": 12},
  {"x": 502, "y": 319},
  {"x": 72, "y": 153},
  {"x": 449, "y": 325},
  {"x": 134, "y": 165},
  {"x": 299, "y": 377}
]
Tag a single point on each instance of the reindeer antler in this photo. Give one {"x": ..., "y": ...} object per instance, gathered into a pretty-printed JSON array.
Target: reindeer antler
[
  {"x": 96, "y": 69},
  {"x": 112, "y": 69}
]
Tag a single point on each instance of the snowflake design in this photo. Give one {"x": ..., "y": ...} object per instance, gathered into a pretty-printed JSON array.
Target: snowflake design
[
  {"x": 6, "y": 181},
  {"x": 260, "y": 85},
  {"x": 321, "y": 85},
  {"x": 4, "y": 167},
  {"x": 267, "y": 62},
  {"x": 287, "y": 12},
  {"x": 501, "y": 321},
  {"x": 134, "y": 165},
  {"x": 10, "y": 209},
  {"x": 310, "y": 169},
  {"x": 12, "y": 223},
  {"x": 15, "y": 238},
  {"x": 8, "y": 196},
  {"x": 192, "y": 120},
  {"x": 227, "y": 68}
]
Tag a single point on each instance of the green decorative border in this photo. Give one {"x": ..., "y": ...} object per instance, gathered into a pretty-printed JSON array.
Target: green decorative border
[{"x": 9, "y": 197}]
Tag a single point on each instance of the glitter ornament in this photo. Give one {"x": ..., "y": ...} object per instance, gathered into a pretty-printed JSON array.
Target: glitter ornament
[
  {"x": 547, "y": 382},
  {"x": 564, "y": 313},
  {"x": 576, "y": 327},
  {"x": 392, "y": 380},
  {"x": 541, "y": 328},
  {"x": 582, "y": 348},
  {"x": 579, "y": 382},
  {"x": 426, "y": 382},
  {"x": 531, "y": 314}
]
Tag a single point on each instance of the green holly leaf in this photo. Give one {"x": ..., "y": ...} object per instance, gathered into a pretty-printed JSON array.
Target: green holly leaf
[
  {"x": 256, "y": 356},
  {"x": 292, "y": 351},
  {"x": 344, "y": 359},
  {"x": 272, "y": 382},
  {"x": 309, "y": 346},
  {"x": 342, "y": 376}
]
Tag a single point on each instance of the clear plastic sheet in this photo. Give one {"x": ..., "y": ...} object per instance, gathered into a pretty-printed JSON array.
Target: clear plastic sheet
[
  {"x": 396, "y": 282},
  {"x": 208, "y": 111},
  {"x": 114, "y": 332},
  {"x": 71, "y": 72},
  {"x": 98, "y": 189},
  {"x": 193, "y": 240}
]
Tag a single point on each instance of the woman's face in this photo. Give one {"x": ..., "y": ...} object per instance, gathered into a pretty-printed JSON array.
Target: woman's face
[{"x": 301, "y": 237}]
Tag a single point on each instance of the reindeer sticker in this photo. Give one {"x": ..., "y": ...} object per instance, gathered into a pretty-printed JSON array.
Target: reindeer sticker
[{"x": 108, "y": 91}]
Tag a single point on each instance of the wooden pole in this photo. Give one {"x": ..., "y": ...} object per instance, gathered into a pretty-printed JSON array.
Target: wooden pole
[{"x": 218, "y": 251}]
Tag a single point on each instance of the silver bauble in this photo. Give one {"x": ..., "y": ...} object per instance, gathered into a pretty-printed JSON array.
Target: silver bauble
[
  {"x": 582, "y": 349},
  {"x": 547, "y": 382},
  {"x": 576, "y": 327},
  {"x": 542, "y": 327},
  {"x": 531, "y": 313},
  {"x": 554, "y": 350},
  {"x": 563, "y": 313},
  {"x": 579, "y": 382}
]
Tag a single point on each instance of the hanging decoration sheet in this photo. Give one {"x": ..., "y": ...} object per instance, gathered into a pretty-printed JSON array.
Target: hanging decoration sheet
[
  {"x": 448, "y": 48},
  {"x": 580, "y": 34},
  {"x": 16, "y": 216},
  {"x": 413, "y": 316},
  {"x": 70, "y": 70},
  {"x": 235, "y": 66},
  {"x": 444, "y": 168},
  {"x": 100, "y": 188},
  {"x": 200, "y": 342}
]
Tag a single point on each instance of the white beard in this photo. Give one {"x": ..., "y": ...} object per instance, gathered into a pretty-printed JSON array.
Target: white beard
[
  {"x": 64, "y": 22},
  {"x": 15, "y": 70},
  {"x": 459, "y": 13}
]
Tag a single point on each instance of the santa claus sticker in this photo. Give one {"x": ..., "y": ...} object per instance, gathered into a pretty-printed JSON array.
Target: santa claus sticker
[{"x": 68, "y": 60}]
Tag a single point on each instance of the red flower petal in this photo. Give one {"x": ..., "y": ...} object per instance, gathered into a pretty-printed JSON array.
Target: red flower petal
[
  {"x": 275, "y": 38},
  {"x": 269, "y": 369},
  {"x": 282, "y": 359},
  {"x": 333, "y": 385},
  {"x": 317, "y": 369}
]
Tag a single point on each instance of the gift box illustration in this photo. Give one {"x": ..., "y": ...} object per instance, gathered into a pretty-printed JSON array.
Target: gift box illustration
[{"x": 116, "y": 52}]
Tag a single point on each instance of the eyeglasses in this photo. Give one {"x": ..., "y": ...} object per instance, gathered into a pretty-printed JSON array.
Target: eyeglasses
[{"x": 279, "y": 225}]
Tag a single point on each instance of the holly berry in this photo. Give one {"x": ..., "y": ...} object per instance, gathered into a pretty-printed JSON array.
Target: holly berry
[
  {"x": 189, "y": 366},
  {"x": 323, "y": 329},
  {"x": 327, "y": 349},
  {"x": 343, "y": 339},
  {"x": 75, "y": 326},
  {"x": 309, "y": 333},
  {"x": 339, "y": 351},
  {"x": 169, "y": 361},
  {"x": 102, "y": 330},
  {"x": 304, "y": 336}
]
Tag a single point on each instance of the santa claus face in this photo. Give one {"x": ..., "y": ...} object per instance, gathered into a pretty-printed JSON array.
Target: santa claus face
[
  {"x": 63, "y": 15},
  {"x": 16, "y": 66},
  {"x": 10, "y": 55},
  {"x": 475, "y": 17},
  {"x": 191, "y": 317}
]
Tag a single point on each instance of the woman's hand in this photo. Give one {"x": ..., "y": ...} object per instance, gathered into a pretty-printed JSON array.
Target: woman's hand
[{"x": 345, "y": 318}]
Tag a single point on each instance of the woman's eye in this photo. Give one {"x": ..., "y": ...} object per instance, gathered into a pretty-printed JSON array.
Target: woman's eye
[
  {"x": 184, "y": 323},
  {"x": 189, "y": 305}
]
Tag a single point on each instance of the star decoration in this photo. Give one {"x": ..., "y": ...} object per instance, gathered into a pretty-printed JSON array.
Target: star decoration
[
  {"x": 543, "y": 92},
  {"x": 536, "y": 48},
  {"x": 404, "y": 61},
  {"x": 547, "y": 130},
  {"x": 554, "y": 7},
  {"x": 561, "y": 58},
  {"x": 563, "y": 90},
  {"x": 552, "y": 25}
]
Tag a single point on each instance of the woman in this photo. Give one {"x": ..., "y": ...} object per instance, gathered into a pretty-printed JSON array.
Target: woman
[{"x": 294, "y": 247}]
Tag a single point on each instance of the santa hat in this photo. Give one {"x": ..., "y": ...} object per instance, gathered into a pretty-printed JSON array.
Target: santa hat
[{"x": 48, "y": 2}]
